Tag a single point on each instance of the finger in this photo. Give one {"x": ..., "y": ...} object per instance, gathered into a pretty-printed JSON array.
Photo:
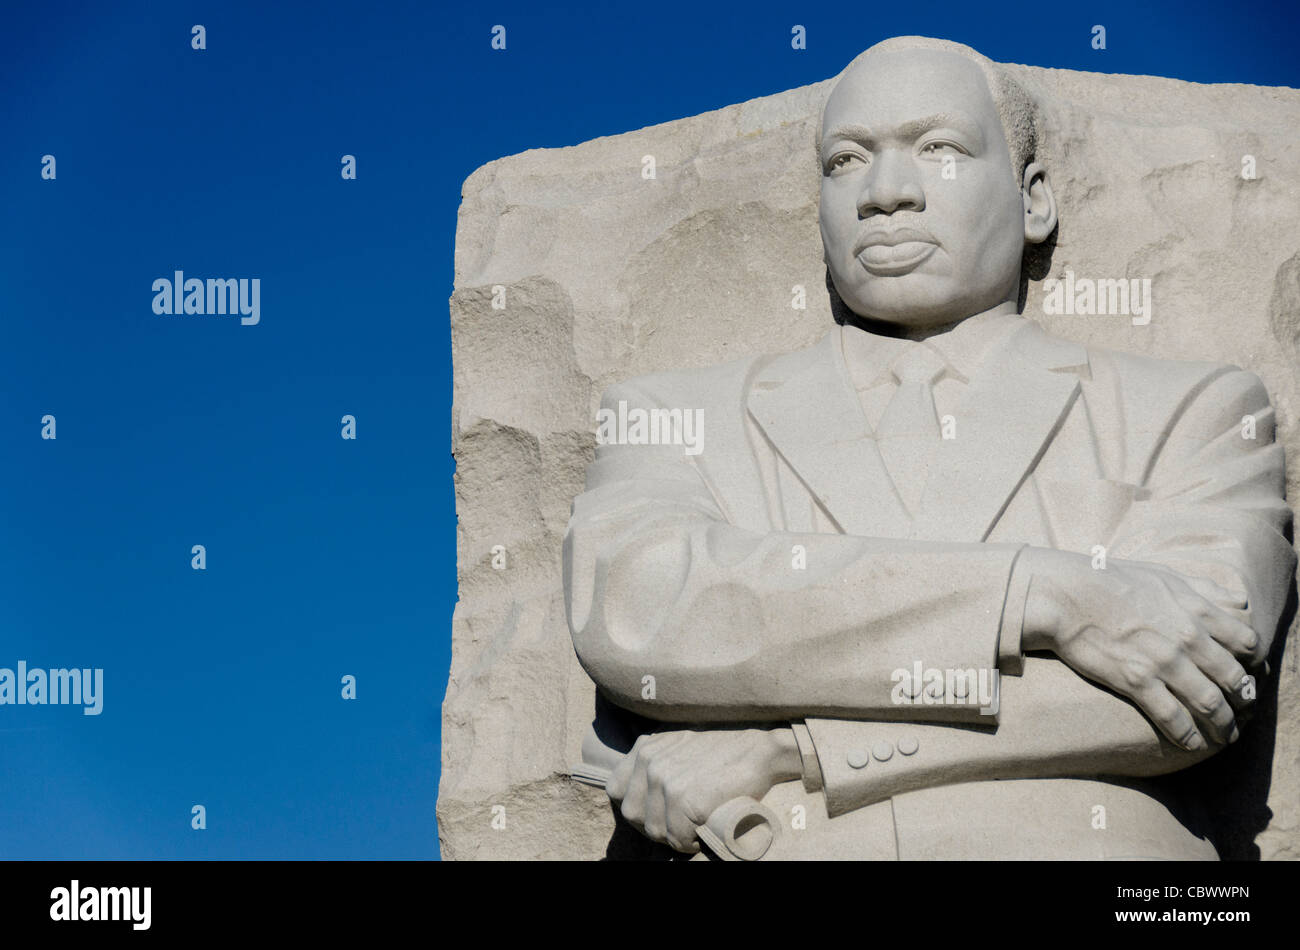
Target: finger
[
  {"x": 682, "y": 834},
  {"x": 621, "y": 774},
  {"x": 1202, "y": 698},
  {"x": 1218, "y": 664},
  {"x": 633, "y": 804},
  {"x": 634, "y": 790},
  {"x": 1228, "y": 627},
  {"x": 1213, "y": 592},
  {"x": 684, "y": 816},
  {"x": 1170, "y": 717},
  {"x": 691, "y": 846},
  {"x": 674, "y": 774},
  {"x": 655, "y": 823},
  {"x": 635, "y": 770}
]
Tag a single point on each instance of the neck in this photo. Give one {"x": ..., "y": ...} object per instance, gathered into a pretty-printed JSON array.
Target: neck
[{"x": 904, "y": 332}]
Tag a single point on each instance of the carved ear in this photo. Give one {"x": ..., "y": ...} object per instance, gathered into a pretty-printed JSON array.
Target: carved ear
[{"x": 1040, "y": 204}]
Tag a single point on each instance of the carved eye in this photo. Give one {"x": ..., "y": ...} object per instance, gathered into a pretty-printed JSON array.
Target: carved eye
[
  {"x": 843, "y": 160},
  {"x": 942, "y": 148}
]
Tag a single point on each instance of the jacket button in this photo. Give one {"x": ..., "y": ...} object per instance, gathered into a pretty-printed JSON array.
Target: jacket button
[
  {"x": 908, "y": 746},
  {"x": 858, "y": 759},
  {"x": 882, "y": 751}
]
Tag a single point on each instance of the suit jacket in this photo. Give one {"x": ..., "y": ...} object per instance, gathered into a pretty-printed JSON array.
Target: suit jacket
[{"x": 775, "y": 576}]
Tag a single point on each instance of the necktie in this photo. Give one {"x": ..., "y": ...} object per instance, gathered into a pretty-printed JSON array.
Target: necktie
[{"x": 909, "y": 429}]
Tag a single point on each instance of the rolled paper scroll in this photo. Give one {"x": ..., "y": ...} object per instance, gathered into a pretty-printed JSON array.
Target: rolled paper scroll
[{"x": 740, "y": 830}]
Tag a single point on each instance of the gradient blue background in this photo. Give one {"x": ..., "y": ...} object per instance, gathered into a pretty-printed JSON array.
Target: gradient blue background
[{"x": 325, "y": 556}]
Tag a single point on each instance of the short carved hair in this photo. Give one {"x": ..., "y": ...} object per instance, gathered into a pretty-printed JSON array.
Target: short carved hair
[{"x": 1017, "y": 109}]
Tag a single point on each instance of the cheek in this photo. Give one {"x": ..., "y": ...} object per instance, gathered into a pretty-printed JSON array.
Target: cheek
[
  {"x": 838, "y": 218},
  {"x": 990, "y": 221}
]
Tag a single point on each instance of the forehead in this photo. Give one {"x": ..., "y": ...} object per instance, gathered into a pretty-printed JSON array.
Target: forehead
[{"x": 886, "y": 90}]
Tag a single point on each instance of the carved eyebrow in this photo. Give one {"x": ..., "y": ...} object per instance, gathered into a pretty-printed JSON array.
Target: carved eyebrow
[{"x": 911, "y": 129}]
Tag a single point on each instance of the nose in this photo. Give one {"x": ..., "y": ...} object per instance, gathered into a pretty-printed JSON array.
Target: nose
[{"x": 892, "y": 183}]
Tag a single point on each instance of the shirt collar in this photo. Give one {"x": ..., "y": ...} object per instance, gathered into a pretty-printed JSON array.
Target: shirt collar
[{"x": 965, "y": 346}]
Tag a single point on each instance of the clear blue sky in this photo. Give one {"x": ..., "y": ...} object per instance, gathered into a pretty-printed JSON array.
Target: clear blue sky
[{"x": 325, "y": 557}]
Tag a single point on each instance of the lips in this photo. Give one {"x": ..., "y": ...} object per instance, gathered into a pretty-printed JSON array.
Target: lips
[{"x": 897, "y": 251}]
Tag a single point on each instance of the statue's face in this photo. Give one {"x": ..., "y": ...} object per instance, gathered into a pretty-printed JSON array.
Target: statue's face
[{"x": 922, "y": 218}]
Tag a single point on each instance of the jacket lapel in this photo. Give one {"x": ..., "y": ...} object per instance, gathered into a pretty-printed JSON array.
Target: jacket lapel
[
  {"x": 1014, "y": 406},
  {"x": 807, "y": 407}
]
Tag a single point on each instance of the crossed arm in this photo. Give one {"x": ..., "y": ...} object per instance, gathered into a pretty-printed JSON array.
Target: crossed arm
[
  {"x": 681, "y": 616},
  {"x": 662, "y": 586}
]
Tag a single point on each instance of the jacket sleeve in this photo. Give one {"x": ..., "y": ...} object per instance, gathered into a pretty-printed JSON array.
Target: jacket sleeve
[
  {"x": 1038, "y": 736},
  {"x": 681, "y": 616},
  {"x": 1212, "y": 508}
]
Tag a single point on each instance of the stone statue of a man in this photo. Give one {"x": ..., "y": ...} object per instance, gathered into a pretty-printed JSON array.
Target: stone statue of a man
[{"x": 941, "y": 585}]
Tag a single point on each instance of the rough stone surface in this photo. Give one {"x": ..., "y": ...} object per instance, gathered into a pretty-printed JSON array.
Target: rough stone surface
[{"x": 609, "y": 275}]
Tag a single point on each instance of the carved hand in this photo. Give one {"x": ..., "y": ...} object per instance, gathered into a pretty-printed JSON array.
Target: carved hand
[
  {"x": 671, "y": 782},
  {"x": 1147, "y": 633}
]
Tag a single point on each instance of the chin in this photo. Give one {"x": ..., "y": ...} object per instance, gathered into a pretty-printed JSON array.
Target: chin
[
  {"x": 890, "y": 300},
  {"x": 918, "y": 300}
]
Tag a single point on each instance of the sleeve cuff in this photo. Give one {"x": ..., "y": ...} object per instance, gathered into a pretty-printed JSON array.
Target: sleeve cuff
[
  {"x": 812, "y": 770},
  {"x": 1010, "y": 658}
]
